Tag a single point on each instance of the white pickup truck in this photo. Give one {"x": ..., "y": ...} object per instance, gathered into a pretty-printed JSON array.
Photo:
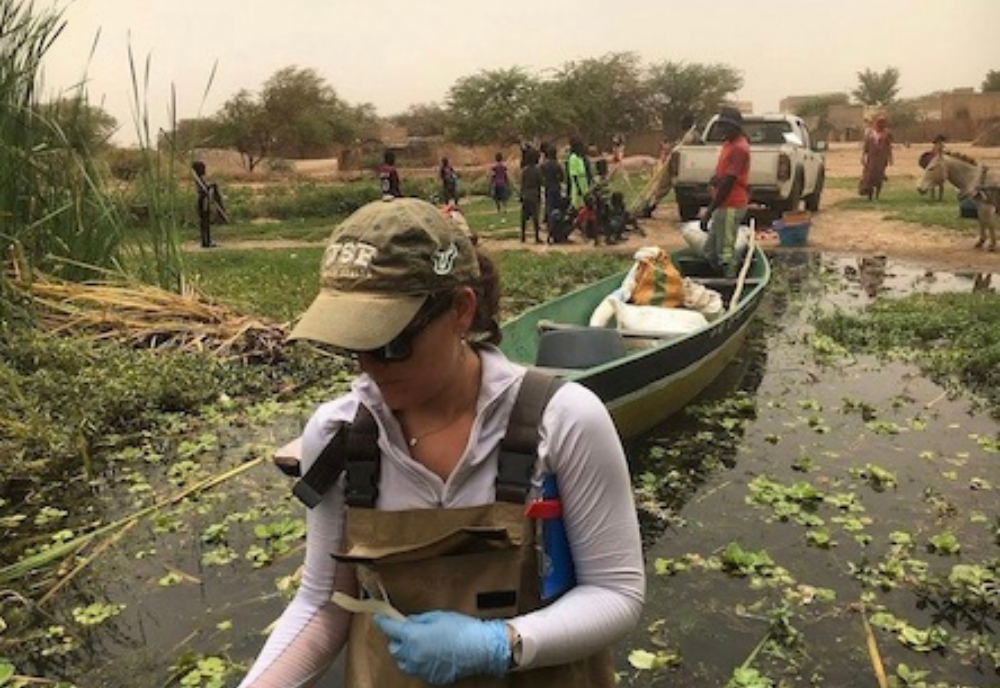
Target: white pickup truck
[{"x": 786, "y": 165}]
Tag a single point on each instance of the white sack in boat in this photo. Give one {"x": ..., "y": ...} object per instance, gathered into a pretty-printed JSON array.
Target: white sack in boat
[
  {"x": 696, "y": 238},
  {"x": 663, "y": 321},
  {"x": 700, "y": 298},
  {"x": 605, "y": 311}
]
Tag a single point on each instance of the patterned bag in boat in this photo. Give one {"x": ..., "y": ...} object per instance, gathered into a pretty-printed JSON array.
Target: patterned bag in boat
[{"x": 656, "y": 282}]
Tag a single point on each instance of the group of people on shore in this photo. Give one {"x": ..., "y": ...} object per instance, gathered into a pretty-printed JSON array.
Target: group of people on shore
[{"x": 563, "y": 195}]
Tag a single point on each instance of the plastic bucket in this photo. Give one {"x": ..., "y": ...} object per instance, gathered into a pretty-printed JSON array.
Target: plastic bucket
[{"x": 792, "y": 234}]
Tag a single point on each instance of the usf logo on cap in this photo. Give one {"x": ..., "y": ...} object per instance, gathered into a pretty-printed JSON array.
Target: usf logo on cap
[
  {"x": 349, "y": 259},
  {"x": 444, "y": 260}
]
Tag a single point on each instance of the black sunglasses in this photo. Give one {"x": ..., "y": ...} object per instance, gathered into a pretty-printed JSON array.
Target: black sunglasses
[{"x": 401, "y": 348}]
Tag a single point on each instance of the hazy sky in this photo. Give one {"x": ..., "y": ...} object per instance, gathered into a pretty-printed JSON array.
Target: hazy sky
[{"x": 394, "y": 53}]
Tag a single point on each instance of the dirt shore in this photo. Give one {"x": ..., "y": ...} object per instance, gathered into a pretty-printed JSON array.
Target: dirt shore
[
  {"x": 834, "y": 230},
  {"x": 842, "y": 231}
]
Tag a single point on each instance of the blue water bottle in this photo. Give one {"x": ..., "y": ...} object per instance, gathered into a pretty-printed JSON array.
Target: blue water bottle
[{"x": 558, "y": 573}]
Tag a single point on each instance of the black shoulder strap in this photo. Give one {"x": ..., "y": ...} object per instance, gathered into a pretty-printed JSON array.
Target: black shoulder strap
[
  {"x": 363, "y": 461},
  {"x": 519, "y": 448},
  {"x": 355, "y": 448},
  {"x": 359, "y": 438}
]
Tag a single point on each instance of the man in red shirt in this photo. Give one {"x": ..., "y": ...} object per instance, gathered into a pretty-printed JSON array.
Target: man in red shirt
[{"x": 730, "y": 194}]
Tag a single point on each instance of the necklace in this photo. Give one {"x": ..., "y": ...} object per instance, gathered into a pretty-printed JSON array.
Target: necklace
[{"x": 414, "y": 439}]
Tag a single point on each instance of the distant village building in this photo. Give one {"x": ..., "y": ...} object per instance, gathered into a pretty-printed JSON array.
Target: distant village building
[{"x": 960, "y": 114}]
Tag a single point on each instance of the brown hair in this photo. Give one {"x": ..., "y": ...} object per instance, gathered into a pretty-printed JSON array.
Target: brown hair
[{"x": 485, "y": 326}]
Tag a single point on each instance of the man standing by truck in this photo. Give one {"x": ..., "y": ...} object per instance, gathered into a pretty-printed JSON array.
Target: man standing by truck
[{"x": 730, "y": 194}]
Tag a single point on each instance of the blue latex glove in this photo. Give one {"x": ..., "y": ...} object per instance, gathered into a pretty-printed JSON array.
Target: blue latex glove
[{"x": 443, "y": 647}]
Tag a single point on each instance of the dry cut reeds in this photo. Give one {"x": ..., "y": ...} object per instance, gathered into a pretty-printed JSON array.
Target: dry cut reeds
[{"x": 149, "y": 317}]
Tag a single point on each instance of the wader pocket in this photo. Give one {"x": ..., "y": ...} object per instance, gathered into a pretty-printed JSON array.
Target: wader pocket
[
  {"x": 461, "y": 541},
  {"x": 471, "y": 562}
]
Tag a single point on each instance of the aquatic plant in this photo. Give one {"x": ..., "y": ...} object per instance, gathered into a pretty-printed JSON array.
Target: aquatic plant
[{"x": 53, "y": 202}]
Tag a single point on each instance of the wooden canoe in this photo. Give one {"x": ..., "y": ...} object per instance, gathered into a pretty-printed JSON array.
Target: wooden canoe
[{"x": 650, "y": 377}]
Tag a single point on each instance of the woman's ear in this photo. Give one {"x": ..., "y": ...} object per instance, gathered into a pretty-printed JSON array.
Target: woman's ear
[{"x": 465, "y": 308}]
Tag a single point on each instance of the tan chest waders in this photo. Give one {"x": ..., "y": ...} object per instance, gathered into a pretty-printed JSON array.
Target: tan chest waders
[{"x": 482, "y": 561}]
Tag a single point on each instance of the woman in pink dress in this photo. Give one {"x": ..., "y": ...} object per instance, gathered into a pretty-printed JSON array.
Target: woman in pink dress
[{"x": 876, "y": 155}]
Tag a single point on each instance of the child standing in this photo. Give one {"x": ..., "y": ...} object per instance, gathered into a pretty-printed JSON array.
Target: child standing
[
  {"x": 449, "y": 182},
  {"x": 209, "y": 203},
  {"x": 531, "y": 194},
  {"x": 586, "y": 220},
  {"x": 553, "y": 177},
  {"x": 600, "y": 192},
  {"x": 499, "y": 183},
  {"x": 388, "y": 176}
]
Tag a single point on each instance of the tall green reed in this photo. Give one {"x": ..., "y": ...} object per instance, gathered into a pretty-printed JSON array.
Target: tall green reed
[
  {"x": 154, "y": 250},
  {"x": 54, "y": 205}
]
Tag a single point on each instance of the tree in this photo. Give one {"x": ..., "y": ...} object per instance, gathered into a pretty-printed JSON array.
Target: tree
[
  {"x": 877, "y": 89},
  {"x": 491, "y": 106},
  {"x": 902, "y": 115},
  {"x": 297, "y": 114},
  {"x": 549, "y": 115},
  {"x": 992, "y": 81},
  {"x": 74, "y": 122},
  {"x": 423, "y": 119},
  {"x": 677, "y": 89},
  {"x": 817, "y": 108},
  {"x": 304, "y": 113},
  {"x": 195, "y": 132},
  {"x": 605, "y": 95},
  {"x": 243, "y": 124}
]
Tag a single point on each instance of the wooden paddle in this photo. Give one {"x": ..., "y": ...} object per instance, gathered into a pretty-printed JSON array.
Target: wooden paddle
[{"x": 738, "y": 291}]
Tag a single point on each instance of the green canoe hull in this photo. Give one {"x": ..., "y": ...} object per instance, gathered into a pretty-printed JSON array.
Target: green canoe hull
[{"x": 647, "y": 385}]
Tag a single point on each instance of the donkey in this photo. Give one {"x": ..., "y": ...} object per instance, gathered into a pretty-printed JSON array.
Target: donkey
[{"x": 978, "y": 182}]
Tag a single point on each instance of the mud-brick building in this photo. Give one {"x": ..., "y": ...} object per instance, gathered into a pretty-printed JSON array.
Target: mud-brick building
[{"x": 961, "y": 114}]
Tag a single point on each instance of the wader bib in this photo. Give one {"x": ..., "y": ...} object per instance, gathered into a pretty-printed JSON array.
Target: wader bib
[{"x": 481, "y": 561}]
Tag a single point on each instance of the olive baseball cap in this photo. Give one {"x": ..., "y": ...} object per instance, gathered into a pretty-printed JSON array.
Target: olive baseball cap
[{"x": 380, "y": 265}]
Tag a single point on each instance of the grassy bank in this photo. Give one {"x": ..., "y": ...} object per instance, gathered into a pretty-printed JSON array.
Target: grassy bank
[
  {"x": 954, "y": 337},
  {"x": 901, "y": 202}
]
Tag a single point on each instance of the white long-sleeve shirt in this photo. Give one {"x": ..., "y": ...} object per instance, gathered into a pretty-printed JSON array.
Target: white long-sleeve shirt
[{"x": 578, "y": 443}]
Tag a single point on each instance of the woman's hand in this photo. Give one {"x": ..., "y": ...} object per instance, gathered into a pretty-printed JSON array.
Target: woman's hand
[{"x": 443, "y": 647}]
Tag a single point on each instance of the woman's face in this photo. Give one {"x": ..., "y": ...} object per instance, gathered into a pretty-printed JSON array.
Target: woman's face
[{"x": 435, "y": 362}]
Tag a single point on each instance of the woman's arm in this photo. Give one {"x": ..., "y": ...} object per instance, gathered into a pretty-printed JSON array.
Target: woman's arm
[
  {"x": 580, "y": 444},
  {"x": 312, "y": 630}
]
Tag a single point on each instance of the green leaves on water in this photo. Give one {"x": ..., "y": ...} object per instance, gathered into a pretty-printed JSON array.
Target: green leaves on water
[
  {"x": 278, "y": 538},
  {"x": 877, "y": 477},
  {"x": 203, "y": 672},
  {"x": 96, "y": 613},
  {"x": 944, "y": 543},
  {"x": 653, "y": 661}
]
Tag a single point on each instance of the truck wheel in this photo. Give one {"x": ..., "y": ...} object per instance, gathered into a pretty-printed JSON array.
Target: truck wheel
[
  {"x": 794, "y": 198},
  {"x": 812, "y": 200}
]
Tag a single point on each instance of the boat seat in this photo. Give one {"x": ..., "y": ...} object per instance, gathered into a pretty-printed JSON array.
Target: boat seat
[
  {"x": 579, "y": 347},
  {"x": 723, "y": 282}
]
